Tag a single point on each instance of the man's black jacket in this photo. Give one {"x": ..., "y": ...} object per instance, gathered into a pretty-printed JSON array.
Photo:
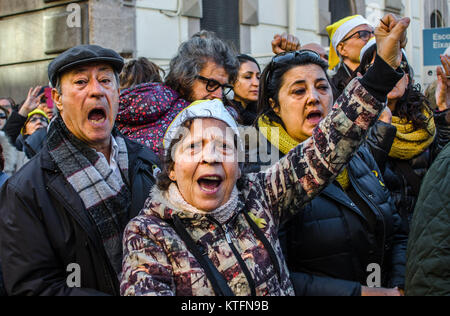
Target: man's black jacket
[{"x": 44, "y": 228}]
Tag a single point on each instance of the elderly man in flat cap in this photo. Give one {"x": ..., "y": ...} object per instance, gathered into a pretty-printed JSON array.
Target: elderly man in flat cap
[{"x": 62, "y": 216}]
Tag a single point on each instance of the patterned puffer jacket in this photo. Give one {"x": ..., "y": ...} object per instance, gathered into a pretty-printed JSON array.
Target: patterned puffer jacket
[
  {"x": 146, "y": 111},
  {"x": 157, "y": 260}
]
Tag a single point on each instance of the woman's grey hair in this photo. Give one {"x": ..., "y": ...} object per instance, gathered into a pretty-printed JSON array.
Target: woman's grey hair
[{"x": 193, "y": 55}]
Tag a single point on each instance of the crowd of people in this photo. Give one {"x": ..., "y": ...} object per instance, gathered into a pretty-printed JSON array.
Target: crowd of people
[{"x": 221, "y": 178}]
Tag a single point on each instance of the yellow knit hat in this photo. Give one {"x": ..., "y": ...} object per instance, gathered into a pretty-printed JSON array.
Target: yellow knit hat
[
  {"x": 37, "y": 111},
  {"x": 338, "y": 31}
]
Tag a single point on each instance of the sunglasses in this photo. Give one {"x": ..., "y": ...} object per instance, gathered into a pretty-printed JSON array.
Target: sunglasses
[
  {"x": 36, "y": 119},
  {"x": 213, "y": 85},
  {"x": 364, "y": 35},
  {"x": 289, "y": 57}
]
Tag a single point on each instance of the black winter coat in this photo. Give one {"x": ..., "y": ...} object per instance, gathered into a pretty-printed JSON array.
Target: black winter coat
[
  {"x": 44, "y": 227},
  {"x": 329, "y": 245},
  {"x": 403, "y": 191}
]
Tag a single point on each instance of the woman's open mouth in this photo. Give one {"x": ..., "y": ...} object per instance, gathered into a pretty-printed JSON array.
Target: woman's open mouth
[
  {"x": 210, "y": 184},
  {"x": 97, "y": 116},
  {"x": 314, "y": 117}
]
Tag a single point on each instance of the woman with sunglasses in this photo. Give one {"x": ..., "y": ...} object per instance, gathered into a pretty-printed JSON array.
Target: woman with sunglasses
[
  {"x": 209, "y": 229},
  {"x": 333, "y": 240},
  {"x": 415, "y": 134},
  {"x": 348, "y": 36},
  {"x": 203, "y": 69}
]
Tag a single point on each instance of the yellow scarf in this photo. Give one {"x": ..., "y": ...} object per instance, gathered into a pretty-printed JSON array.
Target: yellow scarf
[
  {"x": 278, "y": 137},
  {"x": 410, "y": 143}
]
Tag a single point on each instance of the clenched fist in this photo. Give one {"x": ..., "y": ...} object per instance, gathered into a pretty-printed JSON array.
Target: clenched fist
[{"x": 391, "y": 38}]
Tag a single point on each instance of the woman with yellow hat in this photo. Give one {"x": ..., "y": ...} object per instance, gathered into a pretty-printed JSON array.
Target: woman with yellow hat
[
  {"x": 348, "y": 36},
  {"x": 33, "y": 133}
]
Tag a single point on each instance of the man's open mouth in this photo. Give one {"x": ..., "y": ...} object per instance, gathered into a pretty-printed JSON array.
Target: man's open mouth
[
  {"x": 97, "y": 116},
  {"x": 210, "y": 184}
]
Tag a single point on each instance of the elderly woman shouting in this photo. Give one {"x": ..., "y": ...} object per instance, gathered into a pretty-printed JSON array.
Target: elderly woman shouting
[{"x": 210, "y": 230}]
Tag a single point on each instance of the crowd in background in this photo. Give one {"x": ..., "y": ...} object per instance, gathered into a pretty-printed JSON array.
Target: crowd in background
[{"x": 351, "y": 169}]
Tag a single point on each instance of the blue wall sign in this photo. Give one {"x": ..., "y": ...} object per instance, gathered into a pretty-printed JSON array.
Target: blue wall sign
[{"x": 435, "y": 42}]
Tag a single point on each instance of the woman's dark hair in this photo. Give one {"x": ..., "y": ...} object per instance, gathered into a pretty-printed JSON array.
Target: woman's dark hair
[
  {"x": 246, "y": 58},
  {"x": 2, "y": 160},
  {"x": 11, "y": 101},
  {"x": 411, "y": 106},
  {"x": 138, "y": 71},
  {"x": 272, "y": 80},
  {"x": 193, "y": 55}
]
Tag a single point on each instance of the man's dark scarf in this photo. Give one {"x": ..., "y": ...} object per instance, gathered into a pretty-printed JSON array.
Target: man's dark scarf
[{"x": 104, "y": 194}]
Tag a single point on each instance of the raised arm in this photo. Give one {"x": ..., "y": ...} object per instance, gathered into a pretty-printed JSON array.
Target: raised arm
[{"x": 309, "y": 168}]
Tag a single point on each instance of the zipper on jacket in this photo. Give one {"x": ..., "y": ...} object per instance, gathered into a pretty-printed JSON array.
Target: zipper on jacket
[
  {"x": 378, "y": 211},
  {"x": 236, "y": 253}
]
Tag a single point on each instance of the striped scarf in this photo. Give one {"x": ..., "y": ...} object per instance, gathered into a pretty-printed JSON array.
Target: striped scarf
[{"x": 104, "y": 194}]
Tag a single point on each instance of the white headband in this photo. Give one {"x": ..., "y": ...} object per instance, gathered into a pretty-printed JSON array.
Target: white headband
[
  {"x": 200, "y": 109},
  {"x": 345, "y": 28}
]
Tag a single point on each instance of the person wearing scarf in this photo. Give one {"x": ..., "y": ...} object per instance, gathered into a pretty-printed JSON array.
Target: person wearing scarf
[
  {"x": 209, "y": 228},
  {"x": 63, "y": 214},
  {"x": 415, "y": 132},
  {"x": 347, "y": 37},
  {"x": 349, "y": 226}
]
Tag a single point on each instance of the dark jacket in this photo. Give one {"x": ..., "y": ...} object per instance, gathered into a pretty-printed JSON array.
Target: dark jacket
[
  {"x": 397, "y": 181},
  {"x": 32, "y": 144},
  {"x": 44, "y": 227},
  {"x": 3, "y": 178},
  {"x": 341, "y": 79},
  {"x": 331, "y": 242},
  {"x": 13, "y": 127},
  {"x": 330, "y": 245},
  {"x": 246, "y": 116},
  {"x": 428, "y": 264}
]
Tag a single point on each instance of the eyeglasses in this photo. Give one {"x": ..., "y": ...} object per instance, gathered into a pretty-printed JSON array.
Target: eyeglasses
[
  {"x": 364, "y": 35},
  {"x": 38, "y": 118},
  {"x": 213, "y": 85}
]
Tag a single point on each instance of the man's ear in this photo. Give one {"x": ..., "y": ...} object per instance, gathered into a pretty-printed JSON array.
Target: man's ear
[
  {"x": 57, "y": 99},
  {"x": 275, "y": 108},
  {"x": 340, "y": 49}
]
